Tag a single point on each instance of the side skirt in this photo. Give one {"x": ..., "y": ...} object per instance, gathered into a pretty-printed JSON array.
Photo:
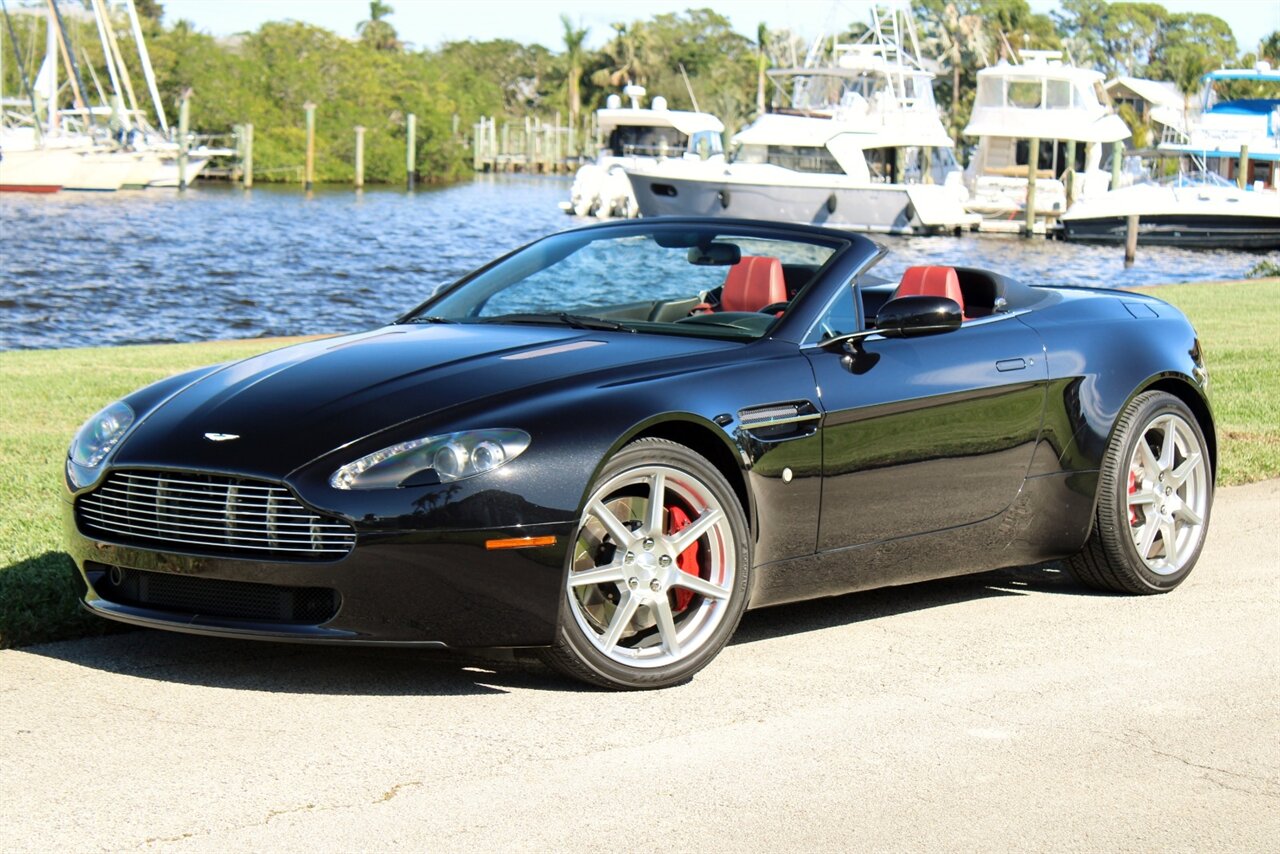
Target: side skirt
[{"x": 1049, "y": 519}]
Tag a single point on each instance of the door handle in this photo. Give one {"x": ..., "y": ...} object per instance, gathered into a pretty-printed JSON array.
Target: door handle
[{"x": 1011, "y": 365}]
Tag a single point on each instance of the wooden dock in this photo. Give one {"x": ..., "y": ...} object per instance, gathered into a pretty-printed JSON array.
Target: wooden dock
[{"x": 531, "y": 146}]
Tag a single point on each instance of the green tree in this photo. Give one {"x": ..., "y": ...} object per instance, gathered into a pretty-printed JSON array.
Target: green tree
[
  {"x": 573, "y": 38},
  {"x": 762, "y": 64},
  {"x": 152, "y": 9},
  {"x": 1191, "y": 42},
  {"x": 962, "y": 45},
  {"x": 1269, "y": 48},
  {"x": 377, "y": 32}
]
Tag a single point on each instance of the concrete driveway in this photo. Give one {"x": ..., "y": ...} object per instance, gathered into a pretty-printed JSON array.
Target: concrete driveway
[{"x": 1011, "y": 710}]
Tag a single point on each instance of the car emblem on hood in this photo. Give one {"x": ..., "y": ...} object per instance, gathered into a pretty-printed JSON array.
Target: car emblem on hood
[{"x": 221, "y": 437}]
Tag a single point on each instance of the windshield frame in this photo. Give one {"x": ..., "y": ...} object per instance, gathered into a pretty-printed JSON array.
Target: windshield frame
[{"x": 843, "y": 245}]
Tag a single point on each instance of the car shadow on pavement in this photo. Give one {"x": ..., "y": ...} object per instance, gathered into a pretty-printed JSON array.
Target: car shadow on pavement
[
  {"x": 817, "y": 614},
  {"x": 372, "y": 671},
  {"x": 298, "y": 668}
]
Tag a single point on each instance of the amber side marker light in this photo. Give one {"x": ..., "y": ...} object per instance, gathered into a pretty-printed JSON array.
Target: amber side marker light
[{"x": 519, "y": 543}]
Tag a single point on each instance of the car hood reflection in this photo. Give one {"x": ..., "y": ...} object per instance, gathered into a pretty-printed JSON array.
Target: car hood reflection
[{"x": 292, "y": 405}]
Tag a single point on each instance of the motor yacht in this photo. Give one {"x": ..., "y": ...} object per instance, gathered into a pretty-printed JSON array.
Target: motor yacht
[
  {"x": 1238, "y": 109},
  {"x": 636, "y": 135},
  {"x": 856, "y": 143},
  {"x": 1064, "y": 110},
  {"x": 1202, "y": 211}
]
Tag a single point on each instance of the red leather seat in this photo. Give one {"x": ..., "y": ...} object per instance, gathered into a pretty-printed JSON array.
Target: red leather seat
[
  {"x": 753, "y": 283},
  {"x": 931, "y": 282}
]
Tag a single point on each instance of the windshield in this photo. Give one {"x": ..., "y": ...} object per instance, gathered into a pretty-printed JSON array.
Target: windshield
[
  {"x": 684, "y": 280},
  {"x": 661, "y": 140}
]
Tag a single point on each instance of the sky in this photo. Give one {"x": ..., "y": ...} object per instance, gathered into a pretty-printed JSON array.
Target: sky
[{"x": 427, "y": 23}]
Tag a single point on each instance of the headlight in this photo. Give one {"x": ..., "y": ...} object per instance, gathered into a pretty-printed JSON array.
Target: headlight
[
  {"x": 95, "y": 439},
  {"x": 452, "y": 457}
]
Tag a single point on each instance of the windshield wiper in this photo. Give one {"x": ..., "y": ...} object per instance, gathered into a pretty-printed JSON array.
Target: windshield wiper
[
  {"x": 577, "y": 321},
  {"x": 430, "y": 318}
]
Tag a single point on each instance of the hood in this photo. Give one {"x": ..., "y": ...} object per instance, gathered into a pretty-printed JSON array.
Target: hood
[{"x": 292, "y": 405}]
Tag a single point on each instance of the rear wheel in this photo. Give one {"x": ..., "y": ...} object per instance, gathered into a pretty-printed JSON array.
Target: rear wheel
[
  {"x": 657, "y": 578},
  {"x": 1155, "y": 494}
]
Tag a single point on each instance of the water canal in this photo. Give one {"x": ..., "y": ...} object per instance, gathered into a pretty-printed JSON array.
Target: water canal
[{"x": 86, "y": 269}]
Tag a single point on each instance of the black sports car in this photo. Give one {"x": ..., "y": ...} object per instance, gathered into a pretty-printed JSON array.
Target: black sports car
[{"x": 609, "y": 443}]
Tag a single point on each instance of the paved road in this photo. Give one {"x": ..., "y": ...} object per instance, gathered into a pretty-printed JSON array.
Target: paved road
[{"x": 1005, "y": 711}]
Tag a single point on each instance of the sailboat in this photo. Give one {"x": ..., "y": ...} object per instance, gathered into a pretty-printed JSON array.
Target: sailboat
[{"x": 93, "y": 148}]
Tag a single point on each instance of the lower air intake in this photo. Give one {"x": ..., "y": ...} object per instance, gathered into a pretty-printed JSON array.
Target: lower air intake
[{"x": 214, "y": 597}]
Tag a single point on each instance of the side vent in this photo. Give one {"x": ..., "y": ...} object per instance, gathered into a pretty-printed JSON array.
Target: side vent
[{"x": 779, "y": 421}]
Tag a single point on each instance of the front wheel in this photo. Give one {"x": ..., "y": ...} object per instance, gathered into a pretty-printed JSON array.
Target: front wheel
[
  {"x": 658, "y": 575},
  {"x": 1155, "y": 494}
]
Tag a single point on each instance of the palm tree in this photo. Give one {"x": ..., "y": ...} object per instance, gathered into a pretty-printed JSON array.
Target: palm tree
[
  {"x": 376, "y": 32},
  {"x": 762, "y": 63},
  {"x": 957, "y": 40},
  {"x": 625, "y": 57},
  {"x": 573, "y": 39}
]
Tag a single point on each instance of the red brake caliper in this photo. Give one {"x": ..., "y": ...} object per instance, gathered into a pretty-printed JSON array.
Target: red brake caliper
[
  {"x": 1133, "y": 487},
  {"x": 687, "y": 560}
]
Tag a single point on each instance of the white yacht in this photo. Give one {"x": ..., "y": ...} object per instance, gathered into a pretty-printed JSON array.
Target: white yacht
[
  {"x": 634, "y": 135},
  {"x": 1203, "y": 211},
  {"x": 1038, "y": 98},
  {"x": 860, "y": 145},
  {"x": 1223, "y": 121}
]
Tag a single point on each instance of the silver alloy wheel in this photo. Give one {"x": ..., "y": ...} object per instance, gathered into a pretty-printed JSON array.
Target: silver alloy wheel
[
  {"x": 1168, "y": 494},
  {"x": 627, "y": 590}
]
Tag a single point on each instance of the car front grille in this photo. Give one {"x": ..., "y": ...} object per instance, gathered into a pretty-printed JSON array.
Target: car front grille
[
  {"x": 193, "y": 596},
  {"x": 213, "y": 514}
]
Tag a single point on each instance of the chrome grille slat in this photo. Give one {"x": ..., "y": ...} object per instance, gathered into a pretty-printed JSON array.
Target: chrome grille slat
[
  {"x": 304, "y": 528},
  {"x": 187, "y": 542},
  {"x": 146, "y": 488},
  {"x": 210, "y": 513},
  {"x": 169, "y": 481},
  {"x": 308, "y": 517}
]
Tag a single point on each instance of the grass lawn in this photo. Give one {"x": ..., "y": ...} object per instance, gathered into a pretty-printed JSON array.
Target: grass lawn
[
  {"x": 47, "y": 394},
  {"x": 1239, "y": 327}
]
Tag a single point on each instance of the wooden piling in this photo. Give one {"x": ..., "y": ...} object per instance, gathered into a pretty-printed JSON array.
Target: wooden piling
[
  {"x": 926, "y": 165},
  {"x": 1033, "y": 163},
  {"x": 557, "y": 151},
  {"x": 359, "y": 157},
  {"x": 1071, "y": 173},
  {"x": 184, "y": 144},
  {"x": 1117, "y": 154},
  {"x": 1130, "y": 240},
  {"x": 309, "y": 175},
  {"x": 1242, "y": 172},
  {"x": 411, "y": 150},
  {"x": 246, "y": 157}
]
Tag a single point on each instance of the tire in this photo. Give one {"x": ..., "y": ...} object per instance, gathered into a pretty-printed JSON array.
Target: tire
[
  {"x": 650, "y": 600},
  {"x": 1155, "y": 494}
]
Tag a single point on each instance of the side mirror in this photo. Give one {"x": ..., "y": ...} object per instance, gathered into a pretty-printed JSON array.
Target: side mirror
[{"x": 907, "y": 317}]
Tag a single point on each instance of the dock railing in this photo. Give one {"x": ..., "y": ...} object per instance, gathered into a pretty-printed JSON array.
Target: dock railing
[{"x": 532, "y": 145}]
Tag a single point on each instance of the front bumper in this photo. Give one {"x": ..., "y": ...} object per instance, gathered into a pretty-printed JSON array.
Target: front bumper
[{"x": 417, "y": 588}]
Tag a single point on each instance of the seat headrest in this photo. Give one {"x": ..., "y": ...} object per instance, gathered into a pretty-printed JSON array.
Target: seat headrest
[
  {"x": 931, "y": 282},
  {"x": 753, "y": 283}
]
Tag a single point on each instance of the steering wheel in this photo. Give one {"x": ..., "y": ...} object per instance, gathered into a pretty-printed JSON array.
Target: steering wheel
[{"x": 775, "y": 307}]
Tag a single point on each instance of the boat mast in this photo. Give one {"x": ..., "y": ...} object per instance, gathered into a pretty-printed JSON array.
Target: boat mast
[
  {"x": 73, "y": 68},
  {"x": 106, "y": 51},
  {"x": 115, "y": 49},
  {"x": 49, "y": 71},
  {"x": 147, "y": 70}
]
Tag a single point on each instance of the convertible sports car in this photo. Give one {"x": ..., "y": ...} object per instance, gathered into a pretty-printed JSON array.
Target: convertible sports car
[{"x": 609, "y": 443}]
